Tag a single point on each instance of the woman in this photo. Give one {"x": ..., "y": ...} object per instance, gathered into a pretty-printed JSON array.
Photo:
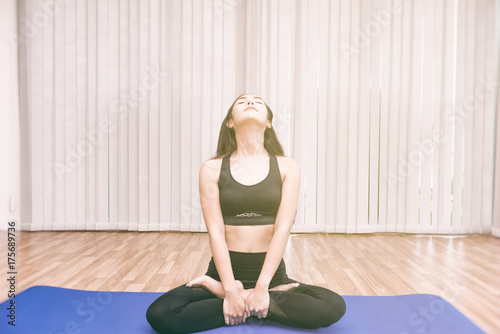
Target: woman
[{"x": 249, "y": 195}]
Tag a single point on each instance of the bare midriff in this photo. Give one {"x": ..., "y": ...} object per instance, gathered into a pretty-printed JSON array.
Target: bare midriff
[{"x": 249, "y": 239}]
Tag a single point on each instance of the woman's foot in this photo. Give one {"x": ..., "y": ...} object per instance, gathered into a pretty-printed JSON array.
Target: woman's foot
[
  {"x": 284, "y": 287},
  {"x": 216, "y": 288},
  {"x": 212, "y": 285}
]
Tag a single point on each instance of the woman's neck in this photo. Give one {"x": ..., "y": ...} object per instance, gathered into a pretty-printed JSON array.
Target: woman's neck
[{"x": 250, "y": 144}]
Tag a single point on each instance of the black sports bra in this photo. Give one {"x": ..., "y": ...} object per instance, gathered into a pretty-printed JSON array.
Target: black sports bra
[{"x": 255, "y": 204}]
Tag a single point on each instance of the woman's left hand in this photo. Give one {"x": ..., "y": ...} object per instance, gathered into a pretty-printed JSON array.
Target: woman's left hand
[{"x": 257, "y": 302}]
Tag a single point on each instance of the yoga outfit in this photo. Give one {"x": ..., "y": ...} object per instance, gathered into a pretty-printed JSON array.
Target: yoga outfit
[{"x": 193, "y": 309}]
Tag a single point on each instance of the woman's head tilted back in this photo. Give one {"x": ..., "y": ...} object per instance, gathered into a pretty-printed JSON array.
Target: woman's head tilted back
[{"x": 247, "y": 109}]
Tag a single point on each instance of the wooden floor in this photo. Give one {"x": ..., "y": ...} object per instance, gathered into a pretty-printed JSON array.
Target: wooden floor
[{"x": 463, "y": 270}]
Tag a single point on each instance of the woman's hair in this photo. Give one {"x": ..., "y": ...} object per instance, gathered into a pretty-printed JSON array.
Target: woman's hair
[{"x": 227, "y": 140}]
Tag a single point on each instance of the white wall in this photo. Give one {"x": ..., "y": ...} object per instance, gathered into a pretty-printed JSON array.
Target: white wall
[{"x": 9, "y": 116}]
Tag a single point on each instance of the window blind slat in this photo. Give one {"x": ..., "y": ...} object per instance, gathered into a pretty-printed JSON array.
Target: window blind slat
[
  {"x": 133, "y": 118},
  {"x": 301, "y": 104},
  {"x": 322, "y": 131},
  {"x": 120, "y": 113},
  {"x": 71, "y": 115},
  {"x": 175, "y": 157},
  {"x": 39, "y": 114},
  {"x": 310, "y": 120},
  {"x": 478, "y": 123},
  {"x": 113, "y": 120},
  {"x": 165, "y": 122},
  {"x": 43, "y": 96},
  {"x": 153, "y": 88},
  {"x": 59, "y": 122},
  {"x": 427, "y": 113},
  {"x": 81, "y": 147},
  {"x": 386, "y": 66},
  {"x": 195, "y": 221},
  {"x": 438, "y": 194},
  {"x": 404, "y": 107},
  {"x": 283, "y": 102},
  {"x": 353, "y": 124},
  {"x": 373, "y": 132},
  {"x": 102, "y": 86},
  {"x": 465, "y": 106},
  {"x": 413, "y": 153},
  {"x": 331, "y": 178},
  {"x": 496, "y": 195},
  {"x": 185, "y": 103},
  {"x": 91, "y": 113},
  {"x": 394, "y": 173},
  {"x": 489, "y": 115},
  {"x": 144, "y": 112},
  {"x": 451, "y": 118},
  {"x": 342, "y": 119}
]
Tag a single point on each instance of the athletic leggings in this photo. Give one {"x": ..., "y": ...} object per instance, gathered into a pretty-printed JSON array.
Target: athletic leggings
[{"x": 194, "y": 309}]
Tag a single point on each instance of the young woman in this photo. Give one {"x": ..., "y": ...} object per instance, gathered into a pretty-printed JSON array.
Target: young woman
[{"x": 249, "y": 195}]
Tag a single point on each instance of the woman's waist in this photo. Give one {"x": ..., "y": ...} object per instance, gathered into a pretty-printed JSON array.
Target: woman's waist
[
  {"x": 247, "y": 266},
  {"x": 247, "y": 262},
  {"x": 248, "y": 239}
]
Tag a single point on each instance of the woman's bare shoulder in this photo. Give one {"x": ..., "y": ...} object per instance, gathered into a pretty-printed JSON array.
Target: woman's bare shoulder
[
  {"x": 288, "y": 165},
  {"x": 288, "y": 162},
  {"x": 211, "y": 167},
  {"x": 213, "y": 163}
]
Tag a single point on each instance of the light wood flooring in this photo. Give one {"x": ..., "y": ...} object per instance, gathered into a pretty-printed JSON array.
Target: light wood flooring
[{"x": 463, "y": 270}]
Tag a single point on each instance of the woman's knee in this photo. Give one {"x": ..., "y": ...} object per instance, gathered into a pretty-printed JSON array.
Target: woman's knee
[
  {"x": 160, "y": 317},
  {"x": 334, "y": 309},
  {"x": 321, "y": 308},
  {"x": 157, "y": 317},
  {"x": 329, "y": 308},
  {"x": 154, "y": 316}
]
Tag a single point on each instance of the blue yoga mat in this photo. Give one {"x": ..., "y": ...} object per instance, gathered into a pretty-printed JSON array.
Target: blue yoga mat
[{"x": 52, "y": 310}]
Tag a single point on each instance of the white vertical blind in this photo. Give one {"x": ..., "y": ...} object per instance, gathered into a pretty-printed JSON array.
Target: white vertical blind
[
  {"x": 125, "y": 103},
  {"x": 496, "y": 193},
  {"x": 389, "y": 107}
]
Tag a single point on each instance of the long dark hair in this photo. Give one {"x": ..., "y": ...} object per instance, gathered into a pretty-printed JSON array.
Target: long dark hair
[{"x": 227, "y": 139}]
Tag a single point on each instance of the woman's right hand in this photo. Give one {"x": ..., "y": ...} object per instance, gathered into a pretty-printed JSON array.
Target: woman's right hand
[{"x": 234, "y": 308}]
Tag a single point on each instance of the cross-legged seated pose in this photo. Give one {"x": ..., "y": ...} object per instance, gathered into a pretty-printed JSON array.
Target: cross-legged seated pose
[{"x": 249, "y": 194}]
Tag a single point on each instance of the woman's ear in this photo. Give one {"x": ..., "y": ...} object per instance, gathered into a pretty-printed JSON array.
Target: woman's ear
[{"x": 229, "y": 124}]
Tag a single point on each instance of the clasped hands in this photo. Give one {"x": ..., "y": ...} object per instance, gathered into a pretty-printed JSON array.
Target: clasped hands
[{"x": 240, "y": 304}]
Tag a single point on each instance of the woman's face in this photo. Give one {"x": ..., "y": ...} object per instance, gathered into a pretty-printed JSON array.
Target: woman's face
[{"x": 249, "y": 109}]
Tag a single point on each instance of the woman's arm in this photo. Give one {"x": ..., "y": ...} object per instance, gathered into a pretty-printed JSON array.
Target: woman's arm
[
  {"x": 234, "y": 304},
  {"x": 258, "y": 299},
  {"x": 284, "y": 220},
  {"x": 210, "y": 205}
]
